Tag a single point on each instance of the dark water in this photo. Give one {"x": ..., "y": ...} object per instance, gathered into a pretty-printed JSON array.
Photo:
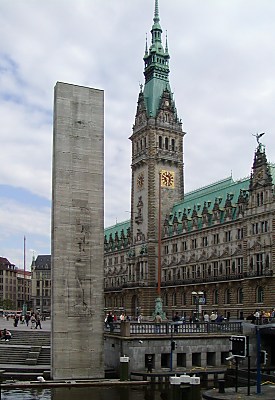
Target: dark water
[{"x": 147, "y": 392}]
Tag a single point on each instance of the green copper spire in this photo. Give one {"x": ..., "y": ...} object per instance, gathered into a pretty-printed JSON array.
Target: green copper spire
[
  {"x": 156, "y": 70},
  {"x": 156, "y": 16}
]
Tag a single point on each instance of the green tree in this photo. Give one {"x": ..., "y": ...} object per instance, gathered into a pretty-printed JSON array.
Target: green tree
[{"x": 8, "y": 304}]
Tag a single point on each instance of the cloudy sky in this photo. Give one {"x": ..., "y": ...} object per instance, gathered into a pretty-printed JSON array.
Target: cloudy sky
[{"x": 222, "y": 75}]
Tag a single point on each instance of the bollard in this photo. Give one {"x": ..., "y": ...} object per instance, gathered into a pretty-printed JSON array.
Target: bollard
[
  {"x": 195, "y": 387},
  {"x": 124, "y": 368},
  {"x": 221, "y": 386}
]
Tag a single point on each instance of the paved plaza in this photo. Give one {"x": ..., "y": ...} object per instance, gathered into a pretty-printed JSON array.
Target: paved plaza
[{"x": 46, "y": 325}]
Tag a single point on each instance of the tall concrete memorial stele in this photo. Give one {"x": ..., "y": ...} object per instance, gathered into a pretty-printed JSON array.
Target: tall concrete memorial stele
[{"x": 77, "y": 233}]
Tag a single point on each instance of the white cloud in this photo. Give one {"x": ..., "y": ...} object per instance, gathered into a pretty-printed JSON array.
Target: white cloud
[
  {"x": 222, "y": 74},
  {"x": 16, "y": 218}
]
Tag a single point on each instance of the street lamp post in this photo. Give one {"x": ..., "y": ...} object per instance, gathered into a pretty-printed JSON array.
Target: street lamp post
[{"x": 199, "y": 300}]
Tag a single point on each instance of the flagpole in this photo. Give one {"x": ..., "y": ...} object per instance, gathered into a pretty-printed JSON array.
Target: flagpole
[
  {"x": 24, "y": 309},
  {"x": 159, "y": 237},
  {"x": 158, "y": 304}
]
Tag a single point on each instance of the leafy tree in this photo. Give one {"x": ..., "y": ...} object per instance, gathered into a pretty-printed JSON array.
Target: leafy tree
[{"x": 8, "y": 304}]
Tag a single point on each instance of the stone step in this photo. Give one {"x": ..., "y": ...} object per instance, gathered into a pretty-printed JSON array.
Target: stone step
[
  {"x": 37, "y": 338},
  {"x": 11, "y": 355},
  {"x": 44, "y": 357},
  {"x": 26, "y": 348}
]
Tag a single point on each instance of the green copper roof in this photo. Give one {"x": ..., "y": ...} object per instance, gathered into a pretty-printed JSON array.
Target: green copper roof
[
  {"x": 218, "y": 193},
  {"x": 111, "y": 230},
  {"x": 156, "y": 70},
  {"x": 208, "y": 195}
]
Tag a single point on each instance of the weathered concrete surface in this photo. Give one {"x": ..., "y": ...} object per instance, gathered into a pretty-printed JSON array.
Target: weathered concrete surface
[
  {"x": 77, "y": 233},
  {"x": 267, "y": 393}
]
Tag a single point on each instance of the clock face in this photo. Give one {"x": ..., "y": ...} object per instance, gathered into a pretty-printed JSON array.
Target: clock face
[
  {"x": 140, "y": 180},
  {"x": 167, "y": 179}
]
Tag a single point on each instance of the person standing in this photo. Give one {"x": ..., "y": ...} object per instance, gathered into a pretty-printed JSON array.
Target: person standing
[
  {"x": 27, "y": 318},
  {"x": 213, "y": 317},
  {"x": 16, "y": 320},
  {"x": 110, "y": 321},
  {"x": 206, "y": 317},
  {"x": 158, "y": 321},
  {"x": 33, "y": 321},
  {"x": 176, "y": 319},
  {"x": 38, "y": 321}
]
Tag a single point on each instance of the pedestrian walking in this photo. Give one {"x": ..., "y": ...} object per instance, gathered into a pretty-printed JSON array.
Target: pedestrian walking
[
  {"x": 38, "y": 321},
  {"x": 33, "y": 321}
]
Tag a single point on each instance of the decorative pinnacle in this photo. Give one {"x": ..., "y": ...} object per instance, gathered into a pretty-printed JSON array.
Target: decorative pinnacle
[
  {"x": 146, "y": 46},
  {"x": 166, "y": 44}
]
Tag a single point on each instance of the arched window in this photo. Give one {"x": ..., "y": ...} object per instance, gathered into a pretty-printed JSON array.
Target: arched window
[
  {"x": 166, "y": 143},
  {"x": 173, "y": 144},
  {"x": 183, "y": 298},
  {"x": 165, "y": 299},
  {"x": 160, "y": 142},
  {"x": 240, "y": 296},
  {"x": 267, "y": 261},
  {"x": 259, "y": 295},
  {"x": 227, "y": 296},
  {"x": 216, "y": 297},
  {"x": 174, "y": 299}
]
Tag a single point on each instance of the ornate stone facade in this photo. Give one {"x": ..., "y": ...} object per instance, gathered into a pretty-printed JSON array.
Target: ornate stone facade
[{"x": 216, "y": 241}]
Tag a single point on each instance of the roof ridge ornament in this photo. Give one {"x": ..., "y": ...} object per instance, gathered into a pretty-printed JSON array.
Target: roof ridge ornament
[{"x": 258, "y": 136}]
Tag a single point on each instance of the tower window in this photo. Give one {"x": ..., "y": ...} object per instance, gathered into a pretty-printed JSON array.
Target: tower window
[
  {"x": 160, "y": 142},
  {"x": 260, "y": 199},
  {"x": 166, "y": 143},
  {"x": 173, "y": 144}
]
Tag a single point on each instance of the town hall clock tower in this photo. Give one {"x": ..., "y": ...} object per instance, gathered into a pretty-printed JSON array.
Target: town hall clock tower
[{"x": 157, "y": 165}]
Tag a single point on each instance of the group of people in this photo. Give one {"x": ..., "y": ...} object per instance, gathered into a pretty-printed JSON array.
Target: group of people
[
  {"x": 33, "y": 319},
  {"x": 260, "y": 317}
]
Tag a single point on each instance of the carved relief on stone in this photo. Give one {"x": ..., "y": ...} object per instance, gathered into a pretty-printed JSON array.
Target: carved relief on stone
[{"x": 139, "y": 216}]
